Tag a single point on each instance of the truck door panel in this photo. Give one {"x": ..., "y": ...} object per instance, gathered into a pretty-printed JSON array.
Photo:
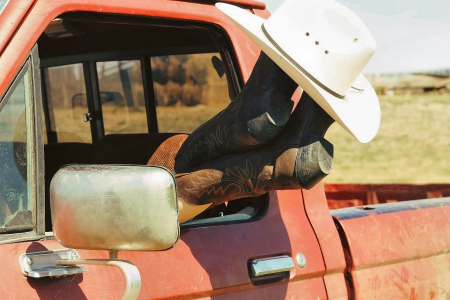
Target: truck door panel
[
  {"x": 330, "y": 243},
  {"x": 210, "y": 261}
]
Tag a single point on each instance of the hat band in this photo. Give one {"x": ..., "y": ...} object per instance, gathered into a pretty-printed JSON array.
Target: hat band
[{"x": 292, "y": 61}]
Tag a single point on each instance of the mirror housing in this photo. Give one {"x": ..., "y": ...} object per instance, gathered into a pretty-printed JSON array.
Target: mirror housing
[{"x": 114, "y": 207}]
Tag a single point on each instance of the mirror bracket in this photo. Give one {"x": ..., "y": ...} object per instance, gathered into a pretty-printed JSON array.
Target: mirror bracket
[
  {"x": 66, "y": 262},
  {"x": 131, "y": 272},
  {"x": 43, "y": 264}
]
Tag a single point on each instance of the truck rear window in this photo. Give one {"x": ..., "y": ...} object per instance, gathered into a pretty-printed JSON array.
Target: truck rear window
[{"x": 115, "y": 87}]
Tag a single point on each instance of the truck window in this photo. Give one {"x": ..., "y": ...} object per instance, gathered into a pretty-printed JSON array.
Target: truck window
[
  {"x": 16, "y": 205},
  {"x": 66, "y": 103},
  {"x": 116, "y": 87},
  {"x": 188, "y": 90},
  {"x": 122, "y": 96}
]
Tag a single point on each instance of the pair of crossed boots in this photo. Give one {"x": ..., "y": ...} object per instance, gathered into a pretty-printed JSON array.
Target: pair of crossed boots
[{"x": 255, "y": 145}]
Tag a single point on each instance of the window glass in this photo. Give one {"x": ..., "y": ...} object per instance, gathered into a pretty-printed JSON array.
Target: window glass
[
  {"x": 189, "y": 90},
  {"x": 67, "y": 104},
  {"x": 122, "y": 96},
  {"x": 15, "y": 203}
]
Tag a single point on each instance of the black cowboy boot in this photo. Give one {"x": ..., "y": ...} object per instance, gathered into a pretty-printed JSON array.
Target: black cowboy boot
[
  {"x": 255, "y": 117},
  {"x": 298, "y": 158}
]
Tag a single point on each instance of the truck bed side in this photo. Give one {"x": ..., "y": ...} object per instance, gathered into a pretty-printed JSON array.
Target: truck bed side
[{"x": 397, "y": 250}]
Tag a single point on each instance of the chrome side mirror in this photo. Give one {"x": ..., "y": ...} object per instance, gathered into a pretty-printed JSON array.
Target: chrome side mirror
[{"x": 114, "y": 207}]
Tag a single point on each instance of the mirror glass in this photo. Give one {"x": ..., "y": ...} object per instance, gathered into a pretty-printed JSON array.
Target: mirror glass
[{"x": 114, "y": 207}]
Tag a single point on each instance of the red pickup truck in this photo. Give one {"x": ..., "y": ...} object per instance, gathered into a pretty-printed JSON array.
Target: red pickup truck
[{"x": 106, "y": 82}]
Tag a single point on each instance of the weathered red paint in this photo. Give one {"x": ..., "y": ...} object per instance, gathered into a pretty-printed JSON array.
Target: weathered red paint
[
  {"x": 206, "y": 262},
  {"x": 398, "y": 255},
  {"x": 11, "y": 18},
  {"x": 328, "y": 238}
]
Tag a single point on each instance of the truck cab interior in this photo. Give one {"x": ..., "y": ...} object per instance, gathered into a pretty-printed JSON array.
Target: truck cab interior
[{"x": 115, "y": 87}]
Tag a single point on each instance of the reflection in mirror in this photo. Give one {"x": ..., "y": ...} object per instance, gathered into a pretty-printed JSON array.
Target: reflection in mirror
[{"x": 114, "y": 207}]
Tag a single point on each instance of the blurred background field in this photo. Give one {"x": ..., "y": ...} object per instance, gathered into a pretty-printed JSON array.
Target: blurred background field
[
  {"x": 412, "y": 144},
  {"x": 412, "y": 56}
]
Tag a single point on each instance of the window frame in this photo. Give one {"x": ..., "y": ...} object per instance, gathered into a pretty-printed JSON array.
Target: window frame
[
  {"x": 35, "y": 147},
  {"x": 222, "y": 45},
  {"x": 89, "y": 62}
]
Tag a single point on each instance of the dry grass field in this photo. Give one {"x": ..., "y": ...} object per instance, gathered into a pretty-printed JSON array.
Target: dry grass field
[
  {"x": 185, "y": 119},
  {"x": 412, "y": 144}
]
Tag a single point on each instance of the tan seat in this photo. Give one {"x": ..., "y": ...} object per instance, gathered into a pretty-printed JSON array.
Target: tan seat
[{"x": 128, "y": 148}]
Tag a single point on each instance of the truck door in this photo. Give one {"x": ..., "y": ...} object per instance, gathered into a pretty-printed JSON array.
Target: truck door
[{"x": 217, "y": 254}]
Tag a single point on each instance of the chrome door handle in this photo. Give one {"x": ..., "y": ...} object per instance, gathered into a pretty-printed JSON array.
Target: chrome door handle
[{"x": 272, "y": 265}]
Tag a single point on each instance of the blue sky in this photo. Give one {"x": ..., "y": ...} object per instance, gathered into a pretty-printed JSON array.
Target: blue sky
[{"x": 411, "y": 35}]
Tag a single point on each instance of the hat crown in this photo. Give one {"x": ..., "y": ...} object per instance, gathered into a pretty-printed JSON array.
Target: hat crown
[{"x": 325, "y": 39}]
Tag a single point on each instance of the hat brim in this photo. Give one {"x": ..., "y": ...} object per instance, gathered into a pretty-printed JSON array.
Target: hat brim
[{"x": 358, "y": 112}]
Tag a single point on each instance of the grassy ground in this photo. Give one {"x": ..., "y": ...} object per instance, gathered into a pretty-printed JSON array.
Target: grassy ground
[
  {"x": 185, "y": 119},
  {"x": 412, "y": 144}
]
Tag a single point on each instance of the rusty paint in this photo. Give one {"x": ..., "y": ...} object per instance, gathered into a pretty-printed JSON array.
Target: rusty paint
[
  {"x": 328, "y": 238},
  {"x": 401, "y": 254},
  {"x": 11, "y": 18},
  {"x": 210, "y": 261},
  {"x": 398, "y": 254}
]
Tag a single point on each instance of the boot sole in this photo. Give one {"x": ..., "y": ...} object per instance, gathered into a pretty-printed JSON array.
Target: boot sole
[
  {"x": 314, "y": 161},
  {"x": 268, "y": 124}
]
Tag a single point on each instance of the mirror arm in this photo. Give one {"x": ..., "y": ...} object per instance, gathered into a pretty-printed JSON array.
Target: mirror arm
[{"x": 131, "y": 272}]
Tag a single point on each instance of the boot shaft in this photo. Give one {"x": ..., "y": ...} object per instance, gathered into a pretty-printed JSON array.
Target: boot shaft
[
  {"x": 298, "y": 158},
  {"x": 255, "y": 117}
]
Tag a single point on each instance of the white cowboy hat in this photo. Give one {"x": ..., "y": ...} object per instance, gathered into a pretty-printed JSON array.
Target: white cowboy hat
[{"x": 323, "y": 46}]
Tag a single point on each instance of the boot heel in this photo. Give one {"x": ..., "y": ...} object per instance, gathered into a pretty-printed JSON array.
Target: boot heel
[
  {"x": 268, "y": 124},
  {"x": 314, "y": 161}
]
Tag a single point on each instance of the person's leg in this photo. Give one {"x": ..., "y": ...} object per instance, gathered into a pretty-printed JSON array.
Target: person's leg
[
  {"x": 188, "y": 211},
  {"x": 298, "y": 158},
  {"x": 254, "y": 118}
]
